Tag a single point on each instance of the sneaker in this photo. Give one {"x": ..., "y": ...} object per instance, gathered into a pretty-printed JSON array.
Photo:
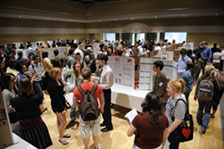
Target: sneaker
[
  {"x": 202, "y": 132},
  {"x": 98, "y": 146},
  {"x": 83, "y": 147}
]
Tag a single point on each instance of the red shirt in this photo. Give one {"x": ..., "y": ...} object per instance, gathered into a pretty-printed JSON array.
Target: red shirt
[
  {"x": 87, "y": 86},
  {"x": 149, "y": 135}
]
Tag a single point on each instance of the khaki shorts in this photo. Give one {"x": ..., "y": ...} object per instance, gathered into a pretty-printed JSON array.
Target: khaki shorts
[{"x": 86, "y": 126}]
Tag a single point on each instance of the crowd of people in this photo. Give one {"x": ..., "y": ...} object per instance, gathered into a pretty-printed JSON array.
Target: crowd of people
[{"x": 23, "y": 81}]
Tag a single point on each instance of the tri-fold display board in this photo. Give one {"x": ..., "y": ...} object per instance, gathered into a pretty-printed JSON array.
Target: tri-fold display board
[
  {"x": 123, "y": 69},
  {"x": 146, "y": 72}
]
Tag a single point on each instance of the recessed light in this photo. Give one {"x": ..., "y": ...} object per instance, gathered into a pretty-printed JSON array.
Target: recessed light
[
  {"x": 216, "y": 14},
  {"x": 48, "y": 18},
  {"x": 132, "y": 18},
  {"x": 183, "y": 15},
  {"x": 69, "y": 20},
  {"x": 20, "y": 16},
  {"x": 100, "y": 21},
  {"x": 115, "y": 19},
  {"x": 156, "y": 17}
]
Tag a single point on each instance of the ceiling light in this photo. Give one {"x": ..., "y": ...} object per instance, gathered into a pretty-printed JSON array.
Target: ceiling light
[
  {"x": 183, "y": 15},
  {"x": 132, "y": 18},
  {"x": 156, "y": 17},
  {"x": 115, "y": 19},
  {"x": 100, "y": 21},
  {"x": 216, "y": 14},
  {"x": 48, "y": 18},
  {"x": 69, "y": 20},
  {"x": 20, "y": 16}
]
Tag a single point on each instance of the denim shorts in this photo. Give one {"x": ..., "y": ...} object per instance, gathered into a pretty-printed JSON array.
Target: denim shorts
[{"x": 86, "y": 126}]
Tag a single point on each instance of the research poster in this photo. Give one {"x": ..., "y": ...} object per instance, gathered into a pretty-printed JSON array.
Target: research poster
[
  {"x": 61, "y": 50},
  {"x": 146, "y": 73},
  {"x": 123, "y": 69}
]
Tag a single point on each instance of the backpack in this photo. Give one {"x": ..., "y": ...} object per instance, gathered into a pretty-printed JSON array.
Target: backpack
[
  {"x": 88, "y": 109},
  {"x": 205, "y": 90}
]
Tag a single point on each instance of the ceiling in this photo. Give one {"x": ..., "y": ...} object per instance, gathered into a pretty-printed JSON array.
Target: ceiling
[{"x": 87, "y": 11}]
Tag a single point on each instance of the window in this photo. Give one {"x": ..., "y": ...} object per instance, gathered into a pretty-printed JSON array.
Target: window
[
  {"x": 179, "y": 37},
  {"x": 109, "y": 36}
]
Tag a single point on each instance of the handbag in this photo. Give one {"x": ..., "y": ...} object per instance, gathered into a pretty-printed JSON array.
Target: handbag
[{"x": 184, "y": 132}]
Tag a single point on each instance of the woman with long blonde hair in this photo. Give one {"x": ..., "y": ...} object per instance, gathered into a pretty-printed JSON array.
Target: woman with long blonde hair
[{"x": 56, "y": 91}]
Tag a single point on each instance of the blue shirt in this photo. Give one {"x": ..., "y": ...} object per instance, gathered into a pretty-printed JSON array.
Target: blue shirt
[
  {"x": 206, "y": 54},
  {"x": 189, "y": 80},
  {"x": 181, "y": 64}
]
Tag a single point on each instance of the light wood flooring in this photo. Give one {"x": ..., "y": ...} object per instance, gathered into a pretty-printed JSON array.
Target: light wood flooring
[{"x": 118, "y": 139}]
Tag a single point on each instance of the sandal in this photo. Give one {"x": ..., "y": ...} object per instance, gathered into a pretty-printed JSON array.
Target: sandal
[
  {"x": 67, "y": 136},
  {"x": 62, "y": 141}
]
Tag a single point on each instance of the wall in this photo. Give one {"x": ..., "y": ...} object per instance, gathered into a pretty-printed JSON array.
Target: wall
[
  {"x": 211, "y": 38},
  {"x": 39, "y": 37}
]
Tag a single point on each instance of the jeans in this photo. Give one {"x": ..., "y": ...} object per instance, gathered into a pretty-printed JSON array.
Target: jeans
[
  {"x": 37, "y": 88},
  {"x": 207, "y": 105},
  {"x": 73, "y": 113}
]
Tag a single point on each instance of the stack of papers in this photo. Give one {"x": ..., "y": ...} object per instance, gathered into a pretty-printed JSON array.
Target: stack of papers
[
  {"x": 131, "y": 115},
  {"x": 69, "y": 98}
]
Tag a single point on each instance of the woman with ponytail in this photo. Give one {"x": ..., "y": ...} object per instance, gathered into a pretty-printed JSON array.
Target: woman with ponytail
[
  {"x": 151, "y": 125},
  {"x": 175, "y": 112}
]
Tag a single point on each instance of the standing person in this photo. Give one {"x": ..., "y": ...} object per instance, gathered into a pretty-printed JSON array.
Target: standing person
[
  {"x": 189, "y": 77},
  {"x": 204, "y": 84},
  {"x": 94, "y": 125},
  {"x": 175, "y": 114},
  {"x": 56, "y": 91},
  {"x": 160, "y": 82},
  {"x": 9, "y": 91},
  {"x": 106, "y": 82},
  {"x": 151, "y": 125},
  {"x": 183, "y": 59},
  {"x": 37, "y": 69},
  {"x": 73, "y": 81},
  {"x": 206, "y": 55},
  {"x": 32, "y": 127}
]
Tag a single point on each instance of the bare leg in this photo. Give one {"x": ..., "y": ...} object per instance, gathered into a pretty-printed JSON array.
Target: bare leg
[
  {"x": 61, "y": 126},
  {"x": 86, "y": 142},
  {"x": 96, "y": 141}
]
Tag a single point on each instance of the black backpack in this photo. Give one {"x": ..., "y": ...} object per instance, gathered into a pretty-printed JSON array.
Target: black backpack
[{"x": 88, "y": 109}]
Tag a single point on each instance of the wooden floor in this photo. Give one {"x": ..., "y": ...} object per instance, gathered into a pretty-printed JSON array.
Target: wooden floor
[{"x": 117, "y": 139}]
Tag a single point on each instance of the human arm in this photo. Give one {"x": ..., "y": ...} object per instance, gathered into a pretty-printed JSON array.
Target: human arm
[
  {"x": 75, "y": 101},
  {"x": 131, "y": 130},
  {"x": 173, "y": 126},
  {"x": 101, "y": 97},
  {"x": 109, "y": 80},
  {"x": 209, "y": 56},
  {"x": 165, "y": 133}
]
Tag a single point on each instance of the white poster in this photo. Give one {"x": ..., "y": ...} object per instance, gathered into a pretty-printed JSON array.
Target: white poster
[
  {"x": 51, "y": 52},
  {"x": 146, "y": 72},
  {"x": 123, "y": 69}
]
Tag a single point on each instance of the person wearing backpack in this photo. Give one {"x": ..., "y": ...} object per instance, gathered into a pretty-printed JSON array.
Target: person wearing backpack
[
  {"x": 86, "y": 97},
  {"x": 204, "y": 93}
]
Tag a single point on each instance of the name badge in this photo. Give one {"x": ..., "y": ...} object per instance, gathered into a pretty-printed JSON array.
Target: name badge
[{"x": 161, "y": 84}]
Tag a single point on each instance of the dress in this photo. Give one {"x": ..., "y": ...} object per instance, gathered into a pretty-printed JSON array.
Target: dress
[{"x": 56, "y": 93}]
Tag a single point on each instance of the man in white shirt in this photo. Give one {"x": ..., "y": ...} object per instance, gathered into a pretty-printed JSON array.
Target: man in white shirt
[{"x": 106, "y": 82}]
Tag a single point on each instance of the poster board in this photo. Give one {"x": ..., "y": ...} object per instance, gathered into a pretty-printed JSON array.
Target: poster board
[
  {"x": 5, "y": 129},
  {"x": 146, "y": 73},
  {"x": 123, "y": 69},
  {"x": 26, "y": 52},
  {"x": 62, "y": 52}
]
